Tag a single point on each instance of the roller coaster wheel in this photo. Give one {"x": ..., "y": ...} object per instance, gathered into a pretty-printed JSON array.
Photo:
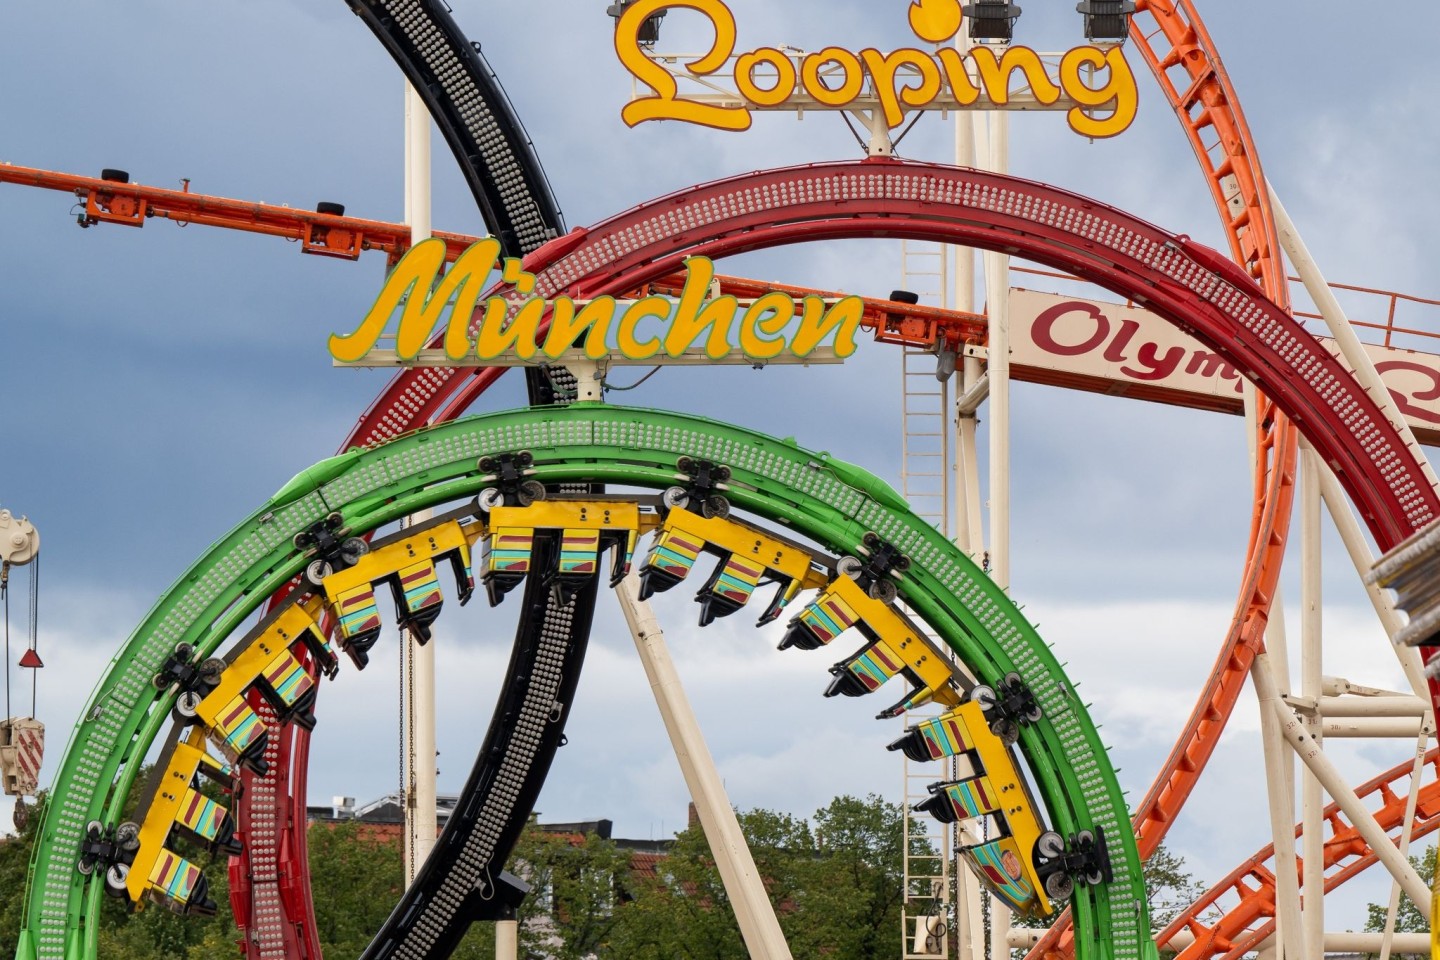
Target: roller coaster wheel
[
  {"x": 490, "y": 498},
  {"x": 714, "y": 507},
  {"x": 184, "y": 651},
  {"x": 160, "y": 681},
  {"x": 720, "y": 474},
  {"x": 1050, "y": 845},
  {"x": 85, "y": 866},
  {"x": 1059, "y": 886},
  {"x": 871, "y": 541},
  {"x": 883, "y": 590},
  {"x": 94, "y": 830},
  {"x": 488, "y": 465},
  {"x": 187, "y": 704},
  {"x": 983, "y": 695},
  {"x": 211, "y": 670},
  {"x": 902, "y": 563},
  {"x": 525, "y": 458},
  {"x": 1007, "y": 730},
  {"x": 849, "y": 567},
  {"x": 686, "y": 465},
  {"x": 301, "y": 540},
  {"x": 334, "y": 520},
  {"x": 316, "y": 571},
  {"x": 116, "y": 876},
  {"x": 529, "y": 492},
  {"x": 1084, "y": 839},
  {"x": 127, "y": 836},
  {"x": 675, "y": 498},
  {"x": 1094, "y": 878},
  {"x": 352, "y": 549}
]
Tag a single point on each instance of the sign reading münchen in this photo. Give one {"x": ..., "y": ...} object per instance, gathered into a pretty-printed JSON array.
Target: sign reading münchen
[{"x": 512, "y": 322}]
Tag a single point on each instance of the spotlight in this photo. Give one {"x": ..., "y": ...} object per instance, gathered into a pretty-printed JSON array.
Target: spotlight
[
  {"x": 649, "y": 31},
  {"x": 991, "y": 19},
  {"x": 1106, "y": 19}
]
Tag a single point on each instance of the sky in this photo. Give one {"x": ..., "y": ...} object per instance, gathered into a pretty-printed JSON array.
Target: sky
[{"x": 161, "y": 383}]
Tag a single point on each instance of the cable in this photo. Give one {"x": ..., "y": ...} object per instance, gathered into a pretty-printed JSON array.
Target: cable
[
  {"x": 34, "y": 630},
  {"x": 653, "y": 371},
  {"x": 5, "y": 595}
]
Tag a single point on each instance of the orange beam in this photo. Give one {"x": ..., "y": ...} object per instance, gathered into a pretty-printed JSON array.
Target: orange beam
[{"x": 326, "y": 234}]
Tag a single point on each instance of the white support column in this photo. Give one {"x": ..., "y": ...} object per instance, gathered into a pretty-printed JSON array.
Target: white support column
[
  {"x": 418, "y": 660},
  {"x": 1311, "y": 651},
  {"x": 992, "y": 150},
  {"x": 1310, "y": 753},
  {"x": 1359, "y": 550},
  {"x": 507, "y": 940},
  {"x": 1417, "y": 770},
  {"x": 1289, "y": 937},
  {"x": 743, "y": 884}
]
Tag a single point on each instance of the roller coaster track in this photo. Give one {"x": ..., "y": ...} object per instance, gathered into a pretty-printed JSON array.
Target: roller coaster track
[
  {"x": 1172, "y": 39},
  {"x": 1249, "y": 895},
  {"x": 1182, "y": 281},
  {"x": 270, "y": 879},
  {"x": 1206, "y": 104},
  {"x": 823, "y": 499}
]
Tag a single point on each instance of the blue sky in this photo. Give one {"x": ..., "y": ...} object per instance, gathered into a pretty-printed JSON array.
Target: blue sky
[{"x": 162, "y": 382}]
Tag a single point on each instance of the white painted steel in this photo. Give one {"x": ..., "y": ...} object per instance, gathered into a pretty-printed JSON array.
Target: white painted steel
[
  {"x": 1304, "y": 745},
  {"x": 743, "y": 884},
  {"x": 1311, "y": 652},
  {"x": 1402, "y": 706},
  {"x": 1375, "y": 728},
  {"x": 1358, "y": 548},
  {"x": 507, "y": 940},
  {"x": 418, "y": 658},
  {"x": 1417, "y": 767},
  {"x": 992, "y": 151}
]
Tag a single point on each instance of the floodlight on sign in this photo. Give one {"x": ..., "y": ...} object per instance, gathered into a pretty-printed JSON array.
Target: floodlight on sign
[
  {"x": 649, "y": 31},
  {"x": 992, "y": 20},
  {"x": 1106, "y": 20}
]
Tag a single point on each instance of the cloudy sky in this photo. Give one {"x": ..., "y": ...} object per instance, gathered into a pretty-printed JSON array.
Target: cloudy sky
[{"x": 160, "y": 383}]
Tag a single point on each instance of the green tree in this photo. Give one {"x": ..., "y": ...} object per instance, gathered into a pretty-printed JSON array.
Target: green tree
[
  {"x": 14, "y": 869},
  {"x": 1408, "y": 918},
  {"x": 836, "y": 887}
]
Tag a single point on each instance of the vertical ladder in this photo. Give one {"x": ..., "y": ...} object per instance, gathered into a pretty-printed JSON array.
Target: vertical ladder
[{"x": 927, "y": 907}]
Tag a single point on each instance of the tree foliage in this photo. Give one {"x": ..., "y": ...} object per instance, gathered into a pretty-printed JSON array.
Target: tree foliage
[{"x": 1408, "y": 918}]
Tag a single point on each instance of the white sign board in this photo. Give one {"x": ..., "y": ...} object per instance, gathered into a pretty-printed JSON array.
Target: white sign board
[{"x": 1128, "y": 351}]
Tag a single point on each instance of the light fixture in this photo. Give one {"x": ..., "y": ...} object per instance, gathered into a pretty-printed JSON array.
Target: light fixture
[
  {"x": 1106, "y": 19},
  {"x": 649, "y": 31},
  {"x": 991, "y": 19}
]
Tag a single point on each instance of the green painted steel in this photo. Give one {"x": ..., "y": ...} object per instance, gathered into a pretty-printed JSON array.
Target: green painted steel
[{"x": 826, "y": 500}]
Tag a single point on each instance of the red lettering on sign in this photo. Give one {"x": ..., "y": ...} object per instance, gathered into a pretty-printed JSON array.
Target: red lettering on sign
[
  {"x": 1042, "y": 330},
  {"x": 1403, "y": 400}
]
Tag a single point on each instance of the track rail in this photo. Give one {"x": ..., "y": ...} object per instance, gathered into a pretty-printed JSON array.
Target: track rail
[
  {"x": 474, "y": 114},
  {"x": 1174, "y": 43},
  {"x": 271, "y": 890},
  {"x": 1247, "y": 895},
  {"x": 1192, "y": 286},
  {"x": 826, "y": 500}
]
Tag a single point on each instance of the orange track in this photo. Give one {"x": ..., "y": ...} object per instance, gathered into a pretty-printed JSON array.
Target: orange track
[
  {"x": 1248, "y": 915},
  {"x": 1183, "y": 59},
  {"x": 1185, "y": 63},
  {"x": 131, "y": 204}
]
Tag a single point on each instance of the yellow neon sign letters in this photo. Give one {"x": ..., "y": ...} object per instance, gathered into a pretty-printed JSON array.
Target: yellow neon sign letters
[
  {"x": 1096, "y": 79},
  {"x": 497, "y": 328}
]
